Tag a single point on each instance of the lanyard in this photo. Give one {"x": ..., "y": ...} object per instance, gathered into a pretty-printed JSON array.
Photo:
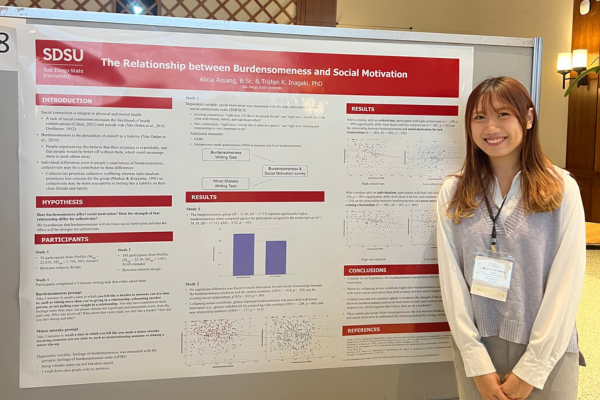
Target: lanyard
[{"x": 494, "y": 219}]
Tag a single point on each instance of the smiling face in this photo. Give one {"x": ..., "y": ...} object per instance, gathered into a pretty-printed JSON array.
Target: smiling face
[{"x": 497, "y": 131}]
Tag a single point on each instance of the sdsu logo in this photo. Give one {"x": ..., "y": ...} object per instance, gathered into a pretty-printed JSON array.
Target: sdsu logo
[{"x": 63, "y": 55}]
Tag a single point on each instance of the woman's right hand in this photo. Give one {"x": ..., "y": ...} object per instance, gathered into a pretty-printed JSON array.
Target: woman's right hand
[{"x": 489, "y": 387}]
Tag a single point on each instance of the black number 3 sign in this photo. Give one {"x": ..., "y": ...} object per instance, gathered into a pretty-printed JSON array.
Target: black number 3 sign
[{"x": 4, "y": 43}]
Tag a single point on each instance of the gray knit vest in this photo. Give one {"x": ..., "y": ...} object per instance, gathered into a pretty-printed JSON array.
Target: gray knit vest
[{"x": 533, "y": 239}]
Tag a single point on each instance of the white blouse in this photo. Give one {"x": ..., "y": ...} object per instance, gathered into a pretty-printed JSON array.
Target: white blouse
[{"x": 554, "y": 323}]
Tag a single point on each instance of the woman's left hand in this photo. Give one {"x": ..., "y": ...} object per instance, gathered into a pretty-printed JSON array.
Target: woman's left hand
[{"x": 515, "y": 388}]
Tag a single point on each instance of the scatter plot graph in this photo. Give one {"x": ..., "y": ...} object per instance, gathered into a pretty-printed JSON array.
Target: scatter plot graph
[
  {"x": 376, "y": 228},
  {"x": 302, "y": 337},
  {"x": 224, "y": 340},
  {"x": 423, "y": 227},
  {"x": 375, "y": 157},
  {"x": 434, "y": 158}
]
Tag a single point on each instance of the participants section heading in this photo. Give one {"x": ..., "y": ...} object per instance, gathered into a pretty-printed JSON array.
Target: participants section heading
[
  {"x": 170, "y": 67},
  {"x": 102, "y": 201}
]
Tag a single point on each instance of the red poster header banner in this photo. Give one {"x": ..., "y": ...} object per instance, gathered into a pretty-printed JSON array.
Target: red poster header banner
[
  {"x": 189, "y": 68},
  {"x": 117, "y": 237},
  {"x": 76, "y": 100},
  {"x": 406, "y": 269},
  {"x": 380, "y": 329},
  {"x": 102, "y": 201},
  {"x": 253, "y": 197},
  {"x": 402, "y": 109}
]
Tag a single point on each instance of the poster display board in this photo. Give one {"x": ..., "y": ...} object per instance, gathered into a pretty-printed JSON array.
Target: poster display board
[{"x": 197, "y": 205}]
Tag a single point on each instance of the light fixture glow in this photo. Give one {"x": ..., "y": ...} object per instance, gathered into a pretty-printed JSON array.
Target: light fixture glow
[
  {"x": 578, "y": 64},
  {"x": 584, "y": 7},
  {"x": 579, "y": 59},
  {"x": 564, "y": 62},
  {"x": 137, "y": 9}
]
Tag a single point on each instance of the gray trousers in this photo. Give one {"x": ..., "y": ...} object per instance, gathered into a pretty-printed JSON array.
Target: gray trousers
[{"x": 561, "y": 384}]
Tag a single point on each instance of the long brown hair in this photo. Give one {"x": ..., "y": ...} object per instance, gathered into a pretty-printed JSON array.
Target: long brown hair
[{"x": 542, "y": 187}]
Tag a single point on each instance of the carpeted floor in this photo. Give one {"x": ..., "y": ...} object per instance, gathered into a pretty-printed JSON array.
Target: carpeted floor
[{"x": 588, "y": 324}]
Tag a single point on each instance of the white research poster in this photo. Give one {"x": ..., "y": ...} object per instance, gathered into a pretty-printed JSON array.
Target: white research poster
[{"x": 196, "y": 204}]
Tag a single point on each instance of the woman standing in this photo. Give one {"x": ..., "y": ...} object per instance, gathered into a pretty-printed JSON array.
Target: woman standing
[{"x": 511, "y": 247}]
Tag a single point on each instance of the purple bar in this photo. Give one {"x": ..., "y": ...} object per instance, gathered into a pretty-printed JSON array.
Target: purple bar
[
  {"x": 275, "y": 261},
  {"x": 243, "y": 254}
]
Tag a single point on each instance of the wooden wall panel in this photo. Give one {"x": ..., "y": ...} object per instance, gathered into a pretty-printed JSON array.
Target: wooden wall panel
[
  {"x": 583, "y": 134},
  {"x": 595, "y": 200},
  {"x": 583, "y": 101},
  {"x": 597, "y": 147},
  {"x": 264, "y": 11},
  {"x": 587, "y": 182},
  {"x": 317, "y": 12}
]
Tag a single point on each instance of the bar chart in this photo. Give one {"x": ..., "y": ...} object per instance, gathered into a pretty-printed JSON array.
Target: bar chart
[
  {"x": 258, "y": 254},
  {"x": 275, "y": 263},
  {"x": 243, "y": 254}
]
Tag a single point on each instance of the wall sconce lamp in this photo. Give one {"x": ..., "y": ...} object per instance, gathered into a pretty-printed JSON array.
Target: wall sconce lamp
[
  {"x": 137, "y": 8},
  {"x": 584, "y": 7},
  {"x": 578, "y": 62}
]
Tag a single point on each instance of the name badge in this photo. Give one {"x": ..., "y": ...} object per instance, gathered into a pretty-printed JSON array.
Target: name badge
[{"x": 491, "y": 275}]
